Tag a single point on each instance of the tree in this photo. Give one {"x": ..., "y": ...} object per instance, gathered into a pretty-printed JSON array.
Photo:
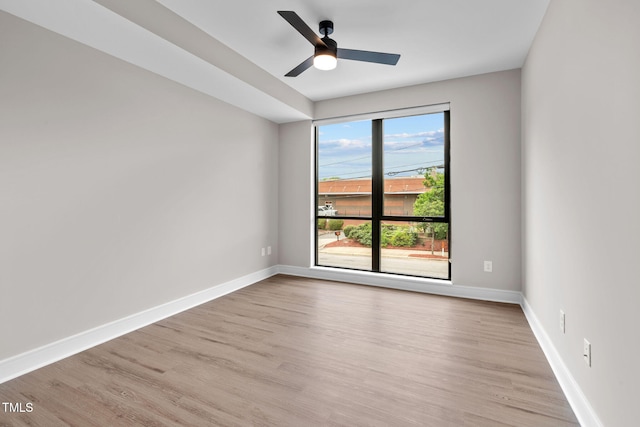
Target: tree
[{"x": 431, "y": 203}]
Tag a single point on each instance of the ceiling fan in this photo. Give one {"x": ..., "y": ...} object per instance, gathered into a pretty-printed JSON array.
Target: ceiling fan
[{"x": 327, "y": 52}]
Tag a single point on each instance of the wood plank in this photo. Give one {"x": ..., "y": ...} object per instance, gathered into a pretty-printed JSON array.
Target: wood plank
[{"x": 293, "y": 351}]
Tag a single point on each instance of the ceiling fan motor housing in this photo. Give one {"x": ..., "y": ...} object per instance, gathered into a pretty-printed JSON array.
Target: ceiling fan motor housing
[{"x": 330, "y": 49}]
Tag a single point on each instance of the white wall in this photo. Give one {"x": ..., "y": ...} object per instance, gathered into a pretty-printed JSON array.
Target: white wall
[
  {"x": 581, "y": 210},
  {"x": 485, "y": 172},
  {"x": 120, "y": 190}
]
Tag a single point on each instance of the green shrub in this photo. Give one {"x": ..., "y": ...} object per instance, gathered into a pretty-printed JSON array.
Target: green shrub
[
  {"x": 390, "y": 235},
  {"x": 387, "y": 233},
  {"x": 404, "y": 238},
  {"x": 362, "y": 234},
  {"x": 322, "y": 224},
  {"x": 335, "y": 224},
  {"x": 441, "y": 231},
  {"x": 347, "y": 231}
]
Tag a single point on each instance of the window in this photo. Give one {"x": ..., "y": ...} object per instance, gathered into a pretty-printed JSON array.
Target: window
[{"x": 382, "y": 193}]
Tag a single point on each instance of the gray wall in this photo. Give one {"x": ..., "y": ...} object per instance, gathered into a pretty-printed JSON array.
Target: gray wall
[
  {"x": 120, "y": 189},
  {"x": 581, "y": 210},
  {"x": 485, "y": 172},
  {"x": 296, "y": 190}
]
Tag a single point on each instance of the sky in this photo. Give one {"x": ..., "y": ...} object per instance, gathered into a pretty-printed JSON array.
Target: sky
[{"x": 411, "y": 145}]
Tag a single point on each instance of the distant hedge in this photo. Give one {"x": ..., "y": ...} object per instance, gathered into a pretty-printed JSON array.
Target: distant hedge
[
  {"x": 335, "y": 224},
  {"x": 393, "y": 235}
]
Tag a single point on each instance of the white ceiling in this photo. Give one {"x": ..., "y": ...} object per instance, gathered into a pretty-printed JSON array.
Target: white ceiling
[{"x": 437, "y": 40}]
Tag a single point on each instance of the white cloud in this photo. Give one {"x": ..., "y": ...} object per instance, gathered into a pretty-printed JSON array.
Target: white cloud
[
  {"x": 345, "y": 143},
  {"x": 417, "y": 142},
  {"x": 405, "y": 135}
]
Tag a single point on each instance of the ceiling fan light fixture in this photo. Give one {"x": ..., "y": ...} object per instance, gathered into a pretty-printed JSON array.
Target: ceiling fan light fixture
[
  {"x": 325, "y": 61},
  {"x": 326, "y": 56}
]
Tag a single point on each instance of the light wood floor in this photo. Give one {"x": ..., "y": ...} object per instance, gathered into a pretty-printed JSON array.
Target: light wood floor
[{"x": 299, "y": 352}]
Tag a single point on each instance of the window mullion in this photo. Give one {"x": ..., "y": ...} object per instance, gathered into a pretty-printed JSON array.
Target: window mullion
[{"x": 377, "y": 190}]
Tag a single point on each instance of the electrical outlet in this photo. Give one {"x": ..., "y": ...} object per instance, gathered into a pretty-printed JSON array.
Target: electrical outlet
[
  {"x": 586, "y": 352},
  {"x": 268, "y": 250},
  {"x": 488, "y": 266},
  {"x": 263, "y": 252},
  {"x": 562, "y": 320}
]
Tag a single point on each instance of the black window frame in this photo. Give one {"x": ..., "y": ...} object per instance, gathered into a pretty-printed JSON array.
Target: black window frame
[{"x": 377, "y": 193}]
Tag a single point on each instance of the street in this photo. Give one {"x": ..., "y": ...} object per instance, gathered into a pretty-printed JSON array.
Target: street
[{"x": 392, "y": 260}]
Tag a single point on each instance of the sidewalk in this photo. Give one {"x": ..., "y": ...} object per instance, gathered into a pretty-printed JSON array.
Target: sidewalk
[{"x": 387, "y": 253}]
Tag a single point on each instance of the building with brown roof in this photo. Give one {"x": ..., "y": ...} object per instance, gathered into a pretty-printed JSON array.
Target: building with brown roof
[{"x": 352, "y": 197}]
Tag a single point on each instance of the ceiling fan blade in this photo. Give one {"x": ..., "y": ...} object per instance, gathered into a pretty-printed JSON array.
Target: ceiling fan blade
[
  {"x": 367, "y": 56},
  {"x": 300, "y": 68},
  {"x": 297, "y": 23}
]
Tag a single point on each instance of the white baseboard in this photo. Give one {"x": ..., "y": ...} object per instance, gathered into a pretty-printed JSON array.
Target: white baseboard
[
  {"x": 406, "y": 283},
  {"x": 578, "y": 401},
  {"x": 31, "y": 360}
]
